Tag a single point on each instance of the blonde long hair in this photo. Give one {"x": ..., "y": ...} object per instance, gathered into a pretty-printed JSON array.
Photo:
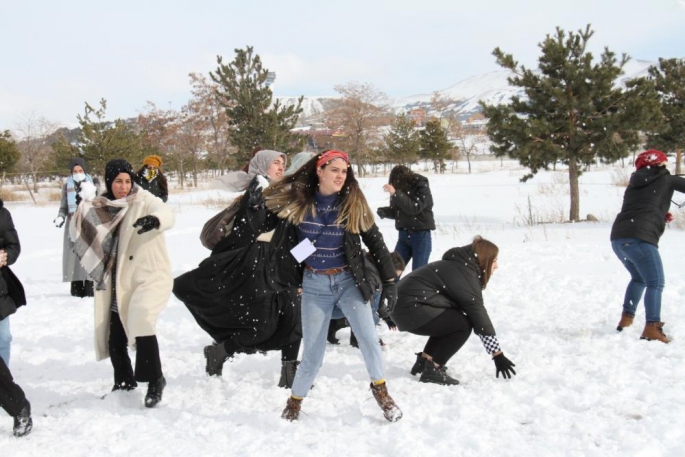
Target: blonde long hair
[{"x": 292, "y": 198}]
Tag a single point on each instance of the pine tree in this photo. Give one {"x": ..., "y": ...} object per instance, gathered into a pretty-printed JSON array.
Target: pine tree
[
  {"x": 669, "y": 81},
  {"x": 402, "y": 142},
  {"x": 435, "y": 145},
  {"x": 247, "y": 99},
  {"x": 9, "y": 152},
  {"x": 573, "y": 111}
]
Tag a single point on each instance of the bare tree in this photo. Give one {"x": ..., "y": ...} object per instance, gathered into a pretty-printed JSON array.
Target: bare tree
[
  {"x": 467, "y": 140},
  {"x": 357, "y": 117},
  {"x": 35, "y": 145}
]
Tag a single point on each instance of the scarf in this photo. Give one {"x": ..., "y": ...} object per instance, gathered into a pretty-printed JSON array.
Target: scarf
[
  {"x": 150, "y": 174},
  {"x": 73, "y": 188},
  {"x": 94, "y": 228}
]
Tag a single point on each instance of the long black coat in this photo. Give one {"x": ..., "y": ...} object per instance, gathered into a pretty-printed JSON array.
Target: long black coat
[
  {"x": 11, "y": 290},
  {"x": 242, "y": 292},
  {"x": 412, "y": 210},
  {"x": 453, "y": 282},
  {"x": 645, "y": 204}
]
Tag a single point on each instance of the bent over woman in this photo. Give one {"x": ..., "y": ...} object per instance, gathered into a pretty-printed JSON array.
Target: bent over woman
[
  {"x": 444, "y": 301},
  {"x": 120, "y": 241}
]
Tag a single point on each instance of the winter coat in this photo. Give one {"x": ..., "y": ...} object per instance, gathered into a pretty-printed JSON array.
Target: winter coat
[
  {"x": 71, "y": 267},
  {"x": 143, "y": 275},
  {"x": 645, "y": 204},
  {"x": 413, "y": 210},
  {"x": 11, "y": 291},
  {"x": 453, "y": 282},
  {"x": 154, "y": 187}
]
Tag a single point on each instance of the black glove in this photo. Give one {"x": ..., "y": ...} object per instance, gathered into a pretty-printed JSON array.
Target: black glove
[
  {"x": 255, "y": 195},
  {"x": 504, "y": 366},
  {"x": 391, "y": 325},
  {"x": 388, "y": 297},
  {"x": 384, "y": 212},
  {"x": 146, "y": 223}
]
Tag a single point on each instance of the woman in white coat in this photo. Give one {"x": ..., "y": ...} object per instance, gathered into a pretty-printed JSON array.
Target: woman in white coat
[{"x": 120, "y": 241}]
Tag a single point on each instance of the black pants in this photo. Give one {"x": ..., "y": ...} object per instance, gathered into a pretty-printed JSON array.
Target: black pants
[
  {"x": 81, "y": 289},
  {"x": 12, "y": 398},
  {"x": 148, "y": 363},
  {"x": 448, "y": 333}
]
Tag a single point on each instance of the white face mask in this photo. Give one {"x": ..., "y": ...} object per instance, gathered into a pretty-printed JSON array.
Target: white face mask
[{"x": 78, "y": 177}]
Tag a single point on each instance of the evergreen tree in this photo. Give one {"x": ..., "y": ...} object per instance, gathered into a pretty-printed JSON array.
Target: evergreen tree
[
  {"x": 9, "y": 153},
  {"x": 435, "y": 145},
  {"x": 669, "y": 81},
  {"x": 247, "y": 99},
  {"x": 101, "y": 141},
  {"x": 402, "y": 142},
  {"x": 573, "y": 111}
]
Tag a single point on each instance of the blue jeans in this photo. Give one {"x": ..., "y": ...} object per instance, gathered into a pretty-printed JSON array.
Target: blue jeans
[
  {"x": 414, "y": 245},
  {"x": 643, "y": 262},
  {"x": 321, "y": 294},
  {"x": 338, "y": 314},
  {"x": 5, "y": 340}
]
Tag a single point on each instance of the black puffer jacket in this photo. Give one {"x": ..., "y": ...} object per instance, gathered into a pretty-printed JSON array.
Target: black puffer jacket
[
  {"x": 154, "y": 187},
  {"x": 9, "y": 242},
  {"x": 645, "y": 204},
  {"x": 412, "y": 210},
  {"x": 453, "y": 282}
]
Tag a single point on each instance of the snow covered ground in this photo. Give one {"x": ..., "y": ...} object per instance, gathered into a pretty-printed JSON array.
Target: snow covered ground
[{"x": 582, "y": 389}]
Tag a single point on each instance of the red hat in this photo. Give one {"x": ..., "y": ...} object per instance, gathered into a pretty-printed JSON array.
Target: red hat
[{"x": 650, "y": 158}]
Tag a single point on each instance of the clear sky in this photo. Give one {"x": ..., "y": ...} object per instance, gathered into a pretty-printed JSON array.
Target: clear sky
[{"x": 55, "y": 55}]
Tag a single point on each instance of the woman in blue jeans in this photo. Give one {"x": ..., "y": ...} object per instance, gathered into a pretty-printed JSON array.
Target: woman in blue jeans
[
  {"x": 411, "y": 205},
  {"x": 635, "y": 239},
  {"x": 321, "y": 217}
]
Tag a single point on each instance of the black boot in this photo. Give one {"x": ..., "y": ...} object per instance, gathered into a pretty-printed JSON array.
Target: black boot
[
  {"x": 154, "y": 392},
  {"x": 288, "y": 371},
  {"x": 126, "y": 386},
  {"x": 215, "y": 356},
  {"x": 23, "y": 422},
  {"x": 353, "y": 340},
  {"x": 88, "y": 289},
  {"x": 419, "y": 364},
  {"x": 333, "y": 327},
  {"x": 437, "y": 375},
  {"x": 77, "y": 289}
]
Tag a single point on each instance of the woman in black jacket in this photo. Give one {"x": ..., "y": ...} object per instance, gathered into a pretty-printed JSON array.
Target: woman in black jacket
[
  {"x": 444, "y": 301},
  {"x": 151, "y": 178},
  {"x": 635, "y": 239},
  {"x": 321, "y": 217},
  {"x": 411, "y": 205}
]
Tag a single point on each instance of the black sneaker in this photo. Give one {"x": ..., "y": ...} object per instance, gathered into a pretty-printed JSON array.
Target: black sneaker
[
  {"x": 125, "y": 385},
  {"x": 23, "y": 424},
  {"x": 419, "y": 364},
  {"x": 154, "y": 392},
  {"x": 435, "y": 375}
]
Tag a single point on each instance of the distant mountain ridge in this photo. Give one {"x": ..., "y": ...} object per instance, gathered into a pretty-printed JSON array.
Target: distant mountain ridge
[{"x": 491, "y": 87}]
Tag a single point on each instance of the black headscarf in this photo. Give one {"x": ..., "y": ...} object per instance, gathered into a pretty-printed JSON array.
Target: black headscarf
[
  {"x": 77, "y": 161},
  {"x": 113, "y": 169}
]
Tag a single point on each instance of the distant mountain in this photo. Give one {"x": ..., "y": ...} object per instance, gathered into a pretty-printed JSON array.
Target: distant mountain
[{"x": 491, "y": 87}]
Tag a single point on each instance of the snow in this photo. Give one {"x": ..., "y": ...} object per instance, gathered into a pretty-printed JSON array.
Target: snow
[{"x": 582, "y": 389}]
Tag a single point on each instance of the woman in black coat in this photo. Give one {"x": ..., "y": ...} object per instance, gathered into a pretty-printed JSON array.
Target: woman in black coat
[
  {"x": 444, "y": 301},
  {"x": 151, "y": 178}
]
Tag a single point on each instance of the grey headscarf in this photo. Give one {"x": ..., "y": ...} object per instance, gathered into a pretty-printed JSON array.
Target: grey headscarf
[
  {"x": 300, "y": 159},
  {"x": 237, "y": 181}
]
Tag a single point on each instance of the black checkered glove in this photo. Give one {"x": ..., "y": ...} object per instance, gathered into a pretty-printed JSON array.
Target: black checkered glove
[{"x": 504, "y": 366}]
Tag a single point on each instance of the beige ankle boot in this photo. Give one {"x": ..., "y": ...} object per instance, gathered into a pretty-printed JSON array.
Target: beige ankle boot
[
  {"x": 654, "y": 331},
  {"x": 626, "y": 321}
]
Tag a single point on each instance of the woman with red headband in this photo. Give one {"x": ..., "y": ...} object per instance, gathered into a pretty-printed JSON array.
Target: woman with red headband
[
  {"x": 321, "y": 218},
  {"x": 635, "y": 238}
]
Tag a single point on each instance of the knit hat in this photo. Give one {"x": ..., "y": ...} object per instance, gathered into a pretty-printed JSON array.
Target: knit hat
[
  {"x": 153, "y": 161},
  {"x": 77, "y": 161},
  {"x": 113, "y": 169},
  {"x": 650, "y": 158}
]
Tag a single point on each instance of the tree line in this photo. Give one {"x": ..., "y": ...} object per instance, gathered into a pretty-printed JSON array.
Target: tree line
[{"x": 573, "y": 112}]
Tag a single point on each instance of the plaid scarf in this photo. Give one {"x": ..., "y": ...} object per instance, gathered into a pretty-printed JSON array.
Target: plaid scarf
[{"x": 95, "y": 228}]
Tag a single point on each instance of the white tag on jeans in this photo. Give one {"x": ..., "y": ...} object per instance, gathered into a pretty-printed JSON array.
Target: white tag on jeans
[{"x": 303, "y": 250}]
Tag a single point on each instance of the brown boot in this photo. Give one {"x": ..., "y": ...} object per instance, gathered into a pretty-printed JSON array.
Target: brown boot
[
  {"x": 654, "y": 331},
  {"x": 292, "y": 409},
  {"x": 390, "y": 410},
  {"x": 626, "y": 321}
]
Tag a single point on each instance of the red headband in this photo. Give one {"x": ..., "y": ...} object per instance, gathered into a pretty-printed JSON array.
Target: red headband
[{"x": 330, "y": 155}]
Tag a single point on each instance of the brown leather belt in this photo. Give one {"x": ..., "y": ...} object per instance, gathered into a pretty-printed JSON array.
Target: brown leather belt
[{"x": 329, "y": 272}]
